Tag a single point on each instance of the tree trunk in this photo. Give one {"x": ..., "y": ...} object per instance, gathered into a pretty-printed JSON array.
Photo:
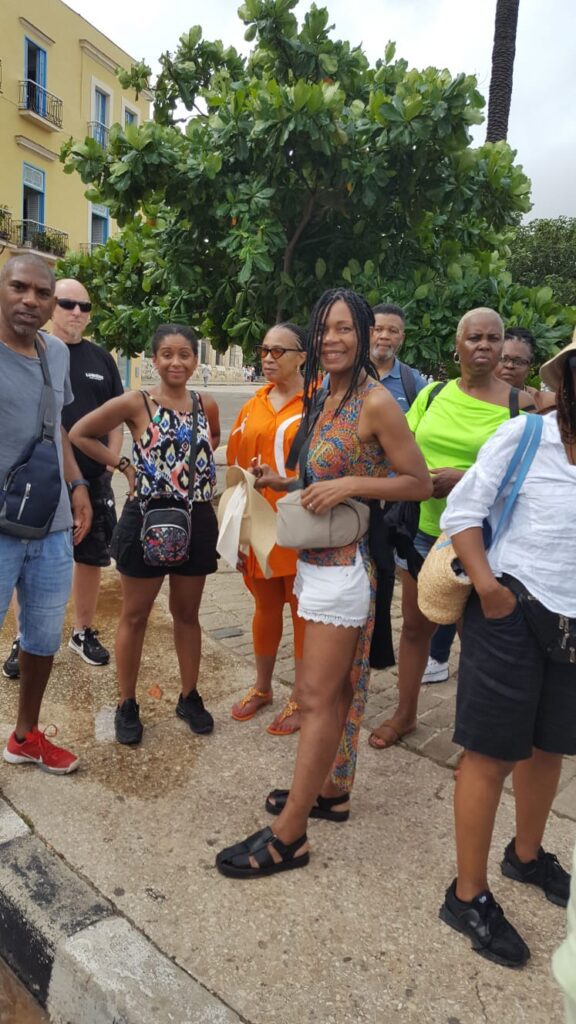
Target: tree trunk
[{"x": 503, "y": 52}]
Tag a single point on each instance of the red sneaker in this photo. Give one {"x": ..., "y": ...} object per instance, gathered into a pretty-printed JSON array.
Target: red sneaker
[{"x": 37, "y": 749}]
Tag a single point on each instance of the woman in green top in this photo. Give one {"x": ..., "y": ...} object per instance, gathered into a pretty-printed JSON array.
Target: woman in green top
[{"x": 450, "y": 432}]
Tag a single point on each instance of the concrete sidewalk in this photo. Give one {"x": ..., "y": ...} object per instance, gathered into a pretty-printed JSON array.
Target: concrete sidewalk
[{"x": 110, "y": 873}]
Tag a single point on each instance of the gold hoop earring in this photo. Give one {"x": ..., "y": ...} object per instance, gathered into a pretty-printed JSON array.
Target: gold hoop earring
[{"x": 456, "y": 357}]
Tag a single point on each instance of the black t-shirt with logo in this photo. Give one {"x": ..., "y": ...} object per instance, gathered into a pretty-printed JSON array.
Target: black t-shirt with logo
[{"x": 95, "y": 379}]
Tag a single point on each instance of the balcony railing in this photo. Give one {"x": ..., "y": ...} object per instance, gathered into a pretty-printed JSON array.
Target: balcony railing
[
  {"x": 99, "y": 132},
  {"x": 37, "y": 100},
  {"x": 29, "y": 234},
  {"x": 86, "y": 248},
  {"x": 5, "y": 224}
]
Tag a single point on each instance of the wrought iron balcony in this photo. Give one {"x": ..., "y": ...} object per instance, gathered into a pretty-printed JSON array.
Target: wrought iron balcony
[
  {"x": 29, "y": 234},
  {"x": 36, "y": 100},
  {"x": 86, "y": 248},
  {"x": 99, "y": 132},
  {"x": 5, "y": 224}
]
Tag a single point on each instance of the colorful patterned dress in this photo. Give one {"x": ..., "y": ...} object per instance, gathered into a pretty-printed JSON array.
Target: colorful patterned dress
[{"x": 335, "y": 451}]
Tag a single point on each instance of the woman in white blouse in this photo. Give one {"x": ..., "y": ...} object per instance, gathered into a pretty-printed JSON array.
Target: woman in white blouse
[{"x": 516, "y": 705}]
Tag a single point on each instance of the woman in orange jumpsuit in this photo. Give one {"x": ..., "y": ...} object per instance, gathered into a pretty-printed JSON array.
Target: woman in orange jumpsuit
[{"x": 263, "y": 433}]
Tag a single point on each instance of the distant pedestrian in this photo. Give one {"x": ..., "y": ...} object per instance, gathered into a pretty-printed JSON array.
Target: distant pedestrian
[
  {"x": 206, "y": 374},
  {"x": 39, "y": 569},
  {"x": 163, "y": 424}
]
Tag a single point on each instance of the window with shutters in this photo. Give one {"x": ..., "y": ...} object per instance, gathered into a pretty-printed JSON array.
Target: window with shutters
[{"x": 34, "y": 190}]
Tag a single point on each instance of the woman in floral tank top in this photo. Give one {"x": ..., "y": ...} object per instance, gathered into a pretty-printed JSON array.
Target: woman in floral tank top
[
  {"x": 358, "y": 437},
  {"x": 161, "y": 422}
]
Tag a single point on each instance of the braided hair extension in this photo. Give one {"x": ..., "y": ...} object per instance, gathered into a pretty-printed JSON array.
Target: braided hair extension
[
  {"x": 300, "y": 333},
  {"x": 363, "y": 320},
  {"x": 566, "y": 403}
]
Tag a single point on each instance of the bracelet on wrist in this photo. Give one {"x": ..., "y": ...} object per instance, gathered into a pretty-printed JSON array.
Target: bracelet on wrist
[
  {"x": 79, "y": 482},
  {"x": 123, "y": 464}
]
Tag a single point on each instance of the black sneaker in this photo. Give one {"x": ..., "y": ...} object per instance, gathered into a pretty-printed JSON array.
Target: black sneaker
[
  {"x": 127, "y": 724},
  {"x": 483, "y": 921},
  {"x": 545, "y": 872},
  {"x": 88, "y": 646},
  {"x": 11, "y": 667},
  {"x": 192, "y": 710}
]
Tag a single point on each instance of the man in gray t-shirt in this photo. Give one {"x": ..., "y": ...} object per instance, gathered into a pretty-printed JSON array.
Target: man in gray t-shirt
[{"x": 40, "y": 570}]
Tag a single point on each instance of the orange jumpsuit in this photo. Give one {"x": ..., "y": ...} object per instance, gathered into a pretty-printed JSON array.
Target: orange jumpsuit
[{"x": 261, "y": 431}]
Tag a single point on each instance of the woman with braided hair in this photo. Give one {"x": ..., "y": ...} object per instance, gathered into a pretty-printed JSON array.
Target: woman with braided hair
[
  {"x": 516, "y": 701},
  {"x": 357, "y": 435}
]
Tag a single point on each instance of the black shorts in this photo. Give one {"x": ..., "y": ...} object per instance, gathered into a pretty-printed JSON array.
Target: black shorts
[
  {"x": 511, "y": 697},
  {"x": 95, "y": 548},
  {"x": 127, "y": 547}
]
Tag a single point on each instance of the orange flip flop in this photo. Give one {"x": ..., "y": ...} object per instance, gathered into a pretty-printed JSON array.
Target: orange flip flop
[
  {"x": 252, "y": 694},
  {"x": 288, "y": 710}
]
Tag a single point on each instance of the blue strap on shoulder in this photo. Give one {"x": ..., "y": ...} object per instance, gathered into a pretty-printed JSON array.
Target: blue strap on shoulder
[{"x": 521, "y": 461}]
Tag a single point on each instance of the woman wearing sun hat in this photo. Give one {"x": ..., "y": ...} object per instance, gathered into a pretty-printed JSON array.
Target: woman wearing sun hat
[{"x": 516, "y": 702}]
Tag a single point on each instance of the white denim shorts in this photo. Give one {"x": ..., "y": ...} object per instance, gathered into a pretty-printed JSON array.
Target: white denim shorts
[{"x": 338, "y": 595}]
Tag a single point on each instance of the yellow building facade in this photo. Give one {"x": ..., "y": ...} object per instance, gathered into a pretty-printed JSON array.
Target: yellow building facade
[{"x": 58, "y": 80}]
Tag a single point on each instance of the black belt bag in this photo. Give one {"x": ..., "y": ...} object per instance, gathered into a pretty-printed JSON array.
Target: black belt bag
[{"x": 555, "y": 633}]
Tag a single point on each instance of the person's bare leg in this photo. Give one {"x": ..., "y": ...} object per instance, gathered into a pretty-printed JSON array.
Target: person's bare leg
[
  {"x": 138, "y": 596},
  {"x": 476, "y": 798},
  {"x": 328, "y": 656},
  {"x": 34, "y": 674},
  {"x": 535, "y": 785},
  {"x": 185, "y": 597},
  {"x": 417, "y": 632},
  {"x": 85, "y": 590}
]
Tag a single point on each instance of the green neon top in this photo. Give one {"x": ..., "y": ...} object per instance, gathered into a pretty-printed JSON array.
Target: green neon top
[{"x": 450, "y": 433}]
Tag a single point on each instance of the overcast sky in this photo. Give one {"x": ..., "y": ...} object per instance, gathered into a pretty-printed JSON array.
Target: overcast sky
[{"x": 444, "y": 33}]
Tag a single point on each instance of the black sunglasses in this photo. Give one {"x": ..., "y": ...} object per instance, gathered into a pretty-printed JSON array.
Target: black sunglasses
[
  {"x": 71, "y": 304},
  {"x": 276, "y": 351}
]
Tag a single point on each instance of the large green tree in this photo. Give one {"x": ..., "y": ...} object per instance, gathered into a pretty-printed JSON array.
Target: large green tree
[
  {"x": 543, "y": 252},
  {"x": 300, "y": 166}
]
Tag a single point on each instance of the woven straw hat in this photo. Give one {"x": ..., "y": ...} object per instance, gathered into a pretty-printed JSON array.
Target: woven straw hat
[
  {"x": 551, "y": 372},
  {"x": 442, "y": 595}
]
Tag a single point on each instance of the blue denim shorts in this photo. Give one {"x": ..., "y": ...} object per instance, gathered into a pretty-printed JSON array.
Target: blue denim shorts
[
  {"x": 423, "y": 542},
  {"x": 41, "y": 573}
]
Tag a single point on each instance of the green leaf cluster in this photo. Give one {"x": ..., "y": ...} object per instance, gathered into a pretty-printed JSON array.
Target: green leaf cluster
[{"x": 543, "y": 252}]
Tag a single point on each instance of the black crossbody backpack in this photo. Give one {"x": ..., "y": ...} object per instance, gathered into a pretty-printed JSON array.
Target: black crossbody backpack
[{"x": 31, "y": 489}]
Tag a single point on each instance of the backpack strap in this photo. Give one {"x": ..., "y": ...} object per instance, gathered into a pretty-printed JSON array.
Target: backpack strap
[
  {"x": 193, "y": 446},
  {"x": 434, "y": 392},
  {"x": 46, "y": 424},
  {"x": 514, "y": 402},
  {"x": 408, "y": 382}
]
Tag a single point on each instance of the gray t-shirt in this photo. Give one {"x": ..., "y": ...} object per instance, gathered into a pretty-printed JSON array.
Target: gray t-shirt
[{"x": 21, "y": 384}]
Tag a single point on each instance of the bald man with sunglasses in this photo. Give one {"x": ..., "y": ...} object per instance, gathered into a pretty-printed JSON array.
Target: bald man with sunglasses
[{"x": 95, "y": 379}]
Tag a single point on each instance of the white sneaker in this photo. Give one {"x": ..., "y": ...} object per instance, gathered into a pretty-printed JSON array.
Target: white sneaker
[{"x": 436, "y": 671}]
